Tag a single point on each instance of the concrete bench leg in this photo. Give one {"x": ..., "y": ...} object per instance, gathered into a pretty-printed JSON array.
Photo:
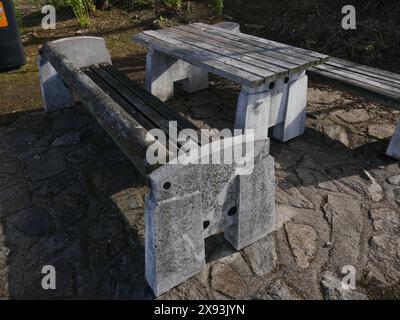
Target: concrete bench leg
[
  {"x": 174, "y": 241},
  {"x": 253, "y": 110},
  {"x": 162, "y": 71},
  {"x": 294, "y": 117},
  {"x": 256, "y": 205},
  {"x": 394, "y": 145},
  {"x": 82, "y": 51},
  {"x": 55, "y": 95},
  {"x": 188, "y": 203}
]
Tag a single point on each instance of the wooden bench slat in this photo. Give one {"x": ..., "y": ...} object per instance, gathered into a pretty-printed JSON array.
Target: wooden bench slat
[
  {"x": 354, "y": 86},
  {"x": 185, "y": 53},
  {"x": 362, "y": 79},
  {"x": 365, "y": 69},
  {"x": 279, "y": 59},
  {"x": 102, "y": 84},
  {"x": 379, "y": 76},
  {"x": 157, "y": 119},
  {"x": 312, "y": 56},
  {"x": 151, "y": 100},
  {"x": 232, "y": 57}
]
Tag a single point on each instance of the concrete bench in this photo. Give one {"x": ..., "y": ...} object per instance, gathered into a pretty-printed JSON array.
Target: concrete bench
[
  {"x": 186, "y": 203},
  {"x": 378, "y": 85}
]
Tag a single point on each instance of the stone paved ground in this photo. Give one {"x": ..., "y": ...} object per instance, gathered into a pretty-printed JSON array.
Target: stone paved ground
[{"x": 70, "y": 198}]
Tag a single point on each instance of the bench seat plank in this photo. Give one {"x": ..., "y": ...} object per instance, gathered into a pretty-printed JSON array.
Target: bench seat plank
[
  {"x": 362, "y": 82},
  {"x": 362, "y": 79}
]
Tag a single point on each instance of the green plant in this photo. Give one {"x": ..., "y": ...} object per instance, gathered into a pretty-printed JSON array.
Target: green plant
[
  {"x": 172, "y": 4},
  {"x": 19, "y": 16},
  {"x": 81, "y": 10},
  {"x": 219, "y": 6}
]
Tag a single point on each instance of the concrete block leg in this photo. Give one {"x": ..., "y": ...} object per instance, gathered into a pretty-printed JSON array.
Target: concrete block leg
[
  {"x": 174, "y": 241},
  {"x": 253, "y": 110},
  {"x": 293, "y": 123},
  {"x": 255, "y": 205},
  {"x": 163, "y": 71},
  {"x": 197, "y": 79},
  {"x": 160, "y": 75},
  {"x": 394, "y": 145},
  {"x": 55, "y": 94}
]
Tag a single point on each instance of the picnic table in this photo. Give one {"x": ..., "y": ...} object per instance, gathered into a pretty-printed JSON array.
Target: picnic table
[{"x": 272, "y": 75}]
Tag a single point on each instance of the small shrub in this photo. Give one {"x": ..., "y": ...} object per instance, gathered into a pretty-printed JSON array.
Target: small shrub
[
  {"x": 81, "y": 10},
  {"x": 219, "y": 6},
  {"x": 172, "y": 4}
]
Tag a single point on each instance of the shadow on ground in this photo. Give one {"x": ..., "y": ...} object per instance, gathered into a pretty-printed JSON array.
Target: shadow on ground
[{"x": 69, "y": 198}]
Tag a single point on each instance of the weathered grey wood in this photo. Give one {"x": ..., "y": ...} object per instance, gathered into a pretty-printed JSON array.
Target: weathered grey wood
[
  {"x": 363, "y": 79},
  {"x": 356, "y": 67},
  {"x": 185, "y": 52},
  {"x": 268, "y": 44},
  {"x": 275, "y": 58},
  {"x": 119, "y": 124},
  {"x": 209, "y": 55},
  {"x": 151, "y": 100},
  {"x": 215, "y": 46},
  {"x": 107, "y": 88},
  {"x": 282, "y": 60},
  {"x": 356, "y": 87},
  {"x": 231, "y": 56},
  {"x": 372, "y": 76}
]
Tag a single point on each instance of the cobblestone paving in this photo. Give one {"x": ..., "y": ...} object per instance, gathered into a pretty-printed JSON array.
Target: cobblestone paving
[{"x": 69, "y": 198}]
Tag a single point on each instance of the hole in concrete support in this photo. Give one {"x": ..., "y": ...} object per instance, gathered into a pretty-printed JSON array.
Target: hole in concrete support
[
  {"x": 286, "y": 79},
  {"x": 232, "y": 211},
  {"x": 272, "y": 85},
  {"x": 167, "y": 185},
  {"x": 206, "y": 224}
]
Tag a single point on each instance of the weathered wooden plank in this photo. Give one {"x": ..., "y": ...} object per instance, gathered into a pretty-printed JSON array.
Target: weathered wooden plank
[
  {"x": 312, "y": 56},
  {"x": 376, "y": 74},
  {"x": 356, "y": 87},
  {"x": 160, "y": 122},
  {"x": 229, "y": 55},
  {"x": 282, "y": 60},
  {"x": 127, "y": 132},
  {"x": 102, "y": 84},
  {"x": 185, "y": 53},
  {"x": 362, "y": 79},
  {"x": 231, "y": 52},
  {"x": 212, "y": 55},
  {"x": 150, "y": 100}
]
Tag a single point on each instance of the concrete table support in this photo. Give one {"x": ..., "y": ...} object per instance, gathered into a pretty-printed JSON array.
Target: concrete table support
[
  {"x": 163, "y": 71},
  {"x": 280, "y": 104}
]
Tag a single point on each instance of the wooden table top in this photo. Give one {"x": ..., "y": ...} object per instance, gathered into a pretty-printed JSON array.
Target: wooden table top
[{"x": 242, "y": 58}]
